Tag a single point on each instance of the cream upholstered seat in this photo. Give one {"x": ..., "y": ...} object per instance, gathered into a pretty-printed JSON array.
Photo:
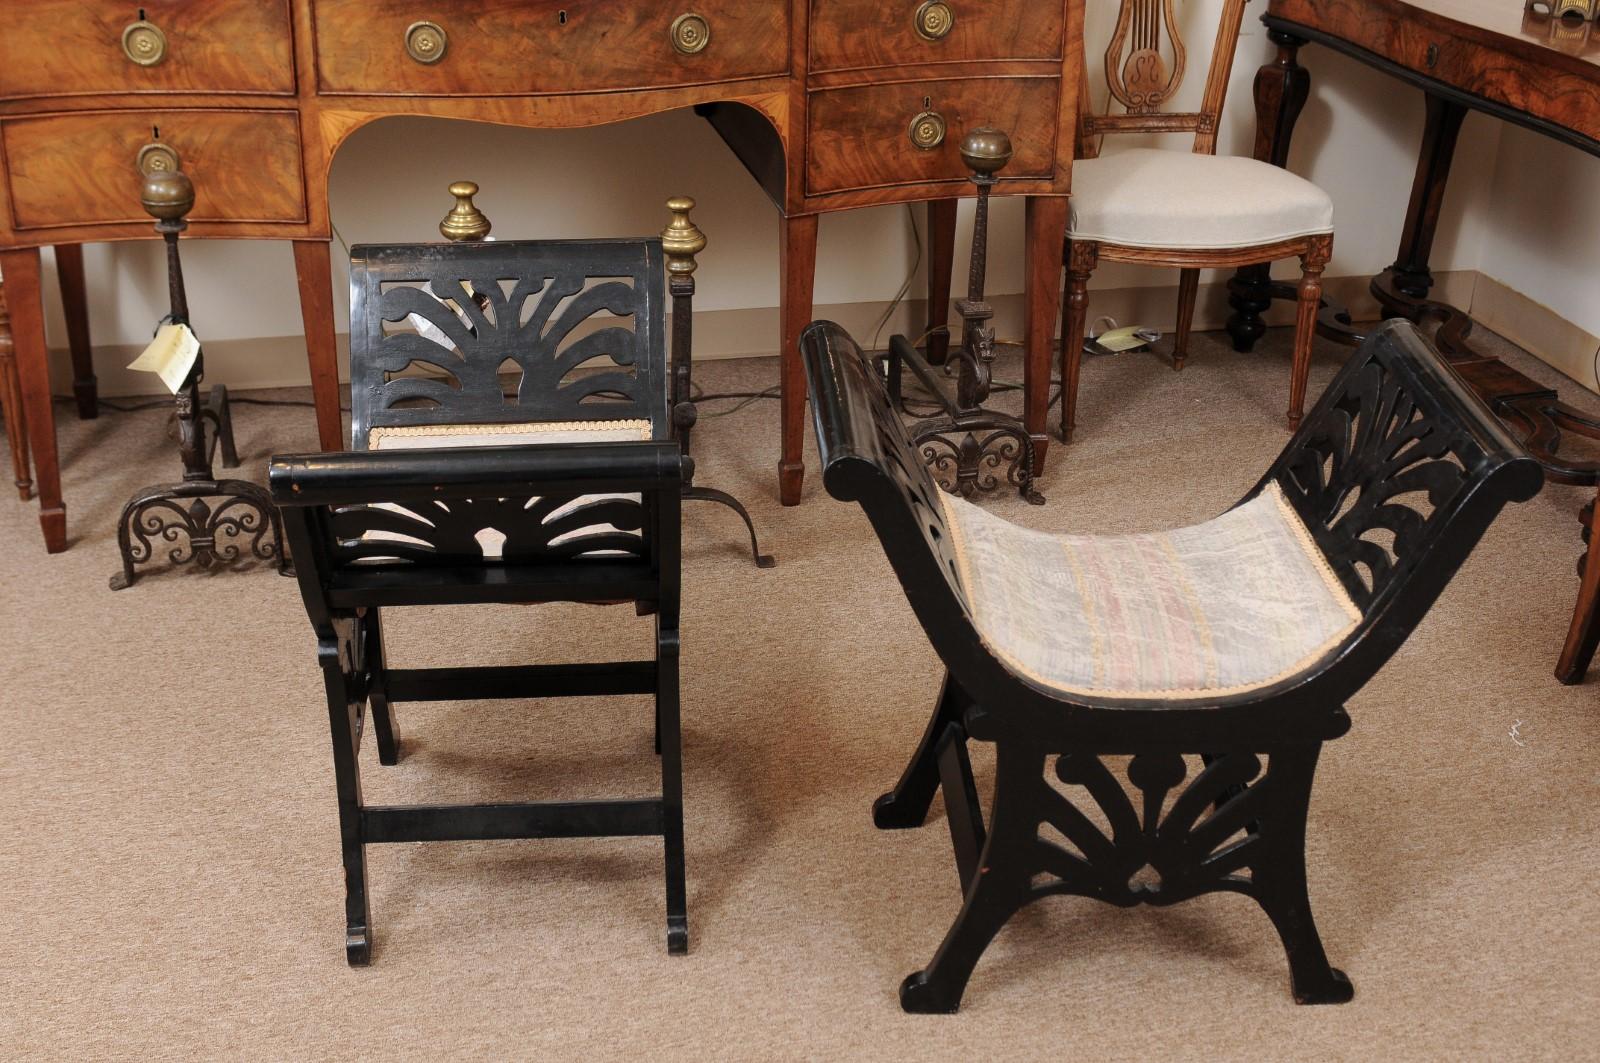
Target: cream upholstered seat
[
  {"x": 1217, "y": 609},
  {"x": 1149, "y": 197}
]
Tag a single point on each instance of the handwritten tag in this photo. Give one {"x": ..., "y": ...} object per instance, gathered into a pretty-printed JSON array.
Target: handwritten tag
[{"x": 170, "y": 356}]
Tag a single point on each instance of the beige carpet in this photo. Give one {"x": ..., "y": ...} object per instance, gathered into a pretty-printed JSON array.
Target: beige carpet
[{"x": 169, "y": 857}]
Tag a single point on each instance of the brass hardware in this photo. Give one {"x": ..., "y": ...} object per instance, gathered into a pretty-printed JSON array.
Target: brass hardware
[
  {"x": 986, "y": 150},
  {"x": 690, "y": 33},
  {"x": 927, "y": 130},
  {"x": 465, "y": 221},
  {"x": 144, "y": 43},
  {"x": 933, "y": 20},
  {"x": 1433, "y": 56},
  {"x": 426, "y": 42},
  {"x": 167, "y": 194},
  {"x": 158, "y": 158},
  {"x": 681, "y": 239}
]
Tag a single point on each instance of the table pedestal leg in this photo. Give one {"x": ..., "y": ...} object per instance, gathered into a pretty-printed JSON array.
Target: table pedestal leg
[
  {"x": 798, "y": 250},
  {"x": 1281, "y": 88},
  {"x": 314, "y": 270},
  {"x": 20, "y": 267},
  {"x": 75, "y": 303},
  {"x": 1410, "y": 270}
]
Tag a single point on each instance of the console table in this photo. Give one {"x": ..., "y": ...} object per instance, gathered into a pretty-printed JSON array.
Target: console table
[
  {"x": 1482, "y": 55},
  {"x": 830, "y": 104}
]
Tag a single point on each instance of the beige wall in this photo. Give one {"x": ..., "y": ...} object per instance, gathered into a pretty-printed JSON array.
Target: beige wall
[{"x": 1357, "y": 139}]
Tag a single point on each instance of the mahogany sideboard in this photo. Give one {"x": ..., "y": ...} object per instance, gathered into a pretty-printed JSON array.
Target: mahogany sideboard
[
  {"x": 1482, "y": 55},
  {"x": 830, "y": 104}
]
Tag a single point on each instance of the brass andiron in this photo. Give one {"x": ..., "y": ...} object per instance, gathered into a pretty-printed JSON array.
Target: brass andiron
[
  {"x": 209, "y": 522},
  {"x": 966, "y": 445},
  {"x": 681, "y": 241}
]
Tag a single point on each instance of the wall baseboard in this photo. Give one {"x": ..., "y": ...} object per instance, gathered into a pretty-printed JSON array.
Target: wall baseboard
[{"x": 280, "y": 361}]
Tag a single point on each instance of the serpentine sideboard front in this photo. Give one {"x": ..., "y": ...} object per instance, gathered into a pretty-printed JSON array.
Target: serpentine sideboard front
[{"x": 830, "y": 104}]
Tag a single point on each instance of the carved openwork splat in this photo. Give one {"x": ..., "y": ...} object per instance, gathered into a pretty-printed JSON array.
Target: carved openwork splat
[
  {"x": 569, "y": 323},
  {"x": 1141, "y": 78}
]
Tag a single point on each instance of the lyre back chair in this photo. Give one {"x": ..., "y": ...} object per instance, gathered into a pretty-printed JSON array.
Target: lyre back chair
[
  {"x": 1187, "y": 210},
  {"x": 1218, "y": 657},
  {"x": 446, "y": 501}
]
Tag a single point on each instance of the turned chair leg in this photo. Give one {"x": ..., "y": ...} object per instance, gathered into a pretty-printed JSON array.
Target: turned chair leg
[
  {"x": 11, "y": 407},
  {"x": 907, "y": 804},
  {"x": 1188, "y": 288},
  {"x": 345, "y": 721},
  {"x": 384, "y": 727},
  {"x": 1312, "y": 263},
  {"x": 1279, "y": 878},
  {"x": 1081, "y": 259},
  {"x": 1584, "y": 633},
  {"x": 997, "y": 888}
]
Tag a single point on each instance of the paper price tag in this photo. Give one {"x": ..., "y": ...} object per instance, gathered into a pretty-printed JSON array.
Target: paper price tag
[{"x": 170, "y": 356}]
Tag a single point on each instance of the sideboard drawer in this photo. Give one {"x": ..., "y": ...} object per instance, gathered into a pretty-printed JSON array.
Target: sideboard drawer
[
  {"x": 509, "y": 47},
  {"x": 82, "y": 169},
  {"x": 77, "y": 47},
  {"x": 861, "y": 137},
  {"x": 850, "y": 34}
]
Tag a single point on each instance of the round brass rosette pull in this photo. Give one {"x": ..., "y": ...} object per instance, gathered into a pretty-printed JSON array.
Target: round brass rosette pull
[
  {"x": 158, "y": 158},
  {"x": 934, "y": 19},
  {"x": 690, "y": 33},
  {"x": 927, "y": 131},
  {"x": 426, "y": 42},
  {"x": 144, "y": 43}
]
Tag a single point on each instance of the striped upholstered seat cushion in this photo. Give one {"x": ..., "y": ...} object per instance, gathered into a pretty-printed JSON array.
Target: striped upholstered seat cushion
[{"x": 1221, "y": 608}]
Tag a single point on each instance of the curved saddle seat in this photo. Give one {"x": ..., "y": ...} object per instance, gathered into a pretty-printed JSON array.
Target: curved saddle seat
[{"x": 1206, "y": 665}]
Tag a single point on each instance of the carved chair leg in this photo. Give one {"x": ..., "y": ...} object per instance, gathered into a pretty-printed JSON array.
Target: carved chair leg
[
  {"x": 344, "y": 717},
  {"x": 384, "y": 727},
  {"x": 1312, "y": 263},
  {"x": 669, "y": 734},
  {"x": 1279, "y": 876},
  {"x": 1081, "y": 259},
  {"x": 1583, "y": 636},
  {"x": 907, "y": 804},
  {"x": 1188, "y": 288},
  {"x": 1000, "y": 886}
]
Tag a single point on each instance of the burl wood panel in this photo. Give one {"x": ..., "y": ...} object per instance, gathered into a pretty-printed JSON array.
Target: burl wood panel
[
  {"x": 80, "y": 168},
  {"x": 504, "y": 47},
  {"x": 850, "y": 34},
  {"x": 860, "y": 137},
  {"x": 74, "y": 47},
  {"x": 1477, "y": 46}
]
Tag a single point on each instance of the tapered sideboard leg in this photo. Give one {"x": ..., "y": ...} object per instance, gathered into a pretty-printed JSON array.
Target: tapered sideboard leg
[
  {"x": 1046, "y": 221},
  {"x": 20, "y": 267},
  {"x": 75, "y": 304},
  {"x": 799, "y": 266},
  {"x": 313, "y": 268}
]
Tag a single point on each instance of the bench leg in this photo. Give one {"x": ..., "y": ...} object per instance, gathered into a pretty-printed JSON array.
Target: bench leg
[
  {"x": 1279, "y": 878},
  {"x": 907, "y": 804},
  {"x": 669, "y": 733},
  {"x": 1000, "y": 886},
  {"x": 344, "y": 718},
  {"x": 384, "y": 727}
]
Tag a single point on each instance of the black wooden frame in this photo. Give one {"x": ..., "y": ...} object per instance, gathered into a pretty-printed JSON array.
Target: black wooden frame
[
  {"x": 344, "y": 593},
  {"x": 1394, "y": 423}
]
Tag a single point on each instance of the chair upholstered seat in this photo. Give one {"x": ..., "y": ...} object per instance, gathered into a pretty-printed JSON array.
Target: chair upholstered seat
[
  {"x": 1217, "y": 609},
  {"x": 1149, "y": 197}
]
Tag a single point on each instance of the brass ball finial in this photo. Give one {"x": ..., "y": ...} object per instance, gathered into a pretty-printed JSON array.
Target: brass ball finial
[
  {"x": 986, "y": 150},
  {"x": 681, "y": 239},
  {"x": 465, "y": 221},
  {"x": 167, "y": 195}
]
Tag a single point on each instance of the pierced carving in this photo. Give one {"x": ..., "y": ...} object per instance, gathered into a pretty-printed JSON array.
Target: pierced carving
[
  {"x": 513, "y": 530},
  {"x": 976, "y": 461},
  {"x": 1372, "y": 476},
  {"x": 572, "y": 322},
  {"x": 1141, "y": 80}
]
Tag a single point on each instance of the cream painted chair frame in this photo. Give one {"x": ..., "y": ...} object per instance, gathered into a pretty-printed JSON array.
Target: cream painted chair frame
[{"x": 1143, "y": 102}]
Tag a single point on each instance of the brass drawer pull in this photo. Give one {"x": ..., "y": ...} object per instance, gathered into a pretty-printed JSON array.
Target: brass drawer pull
[
  {"x": 690, "y": 33},
  {"x": 927, "y": 130},
  {"x": 426, "y": 42},
  {"x": 144, "y": 43},
  {"x": 158, "y": 158},
  {"x": 933, "y": 20}
]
